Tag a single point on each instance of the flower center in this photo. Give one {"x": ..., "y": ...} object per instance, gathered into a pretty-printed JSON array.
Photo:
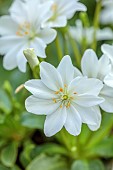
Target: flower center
[
  {"x": 64, "y": 97},
  {"x": 26, "y": 30},
  {"x": 23, "y": 29}
]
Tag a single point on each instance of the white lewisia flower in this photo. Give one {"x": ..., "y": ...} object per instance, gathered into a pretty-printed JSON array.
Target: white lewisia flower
[
  {"x": 94, "y": 68},
  {"x": 108, "y": 51},
  {"x": 66, "y": 101},
  {"x": 79, "y": 32},
  {"x": 107, "y": 13},
  {"x": 62, "y": 10},
  {"x": 21, "y": 30}
]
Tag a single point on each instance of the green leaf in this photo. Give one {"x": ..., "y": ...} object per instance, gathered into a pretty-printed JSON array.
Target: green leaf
[
  {"x": 4, "y": 5},
  {"x": 15, "y": 168},
  {"x": 80, "y": 165},
  {"x": 5, "y": 103},
  {"x": 32, "y": 121},
  {"x": 47, "y": 163},
  {"x": 104, "y": 148},
  {"x": 88, "y": 165},
  {"x": 25, "y": 156},
  {"x": 96, "y": 165},
  {"x": 3, "y": 167},
  {"x": 50, "y": 149},
  {"x": 9, "y": 154}
]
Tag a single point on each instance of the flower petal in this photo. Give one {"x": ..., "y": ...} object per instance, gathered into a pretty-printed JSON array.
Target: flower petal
[
  {"x": 9, "y": 42},
  {"x": 40, "y": 106},
  {"x": 39, "y": 47},
  {"x": 47, "y": 35},
  {"x": 60, "y": 21},
  {"x": 88, "y": 100},
  {"x": 73, "y": 122},
  {"x": 55, "y": 122},
  {"x": 21, "y": 60},
  {"x": 38, "y": 89},
  {"x": 68, "y": 8},
  {"x": 90, "y": 116},
  {"x": 84, "y": 85},
  {"x": 10, "y": 59},
  {"x": 104, "y": 67},
  {"x": 50, "y": 76},
  {"x": 108, "y": 80},
  {"x": 77, "y": 72},
  {"x": 107, "y": 94},
  {"x": 7, "y": 26},
  {"x": 108, "y": 50},
  {"x": 66, "y": 69},
  {"x": 89, "y": 64},
  {"x": 18, "y": 11}
]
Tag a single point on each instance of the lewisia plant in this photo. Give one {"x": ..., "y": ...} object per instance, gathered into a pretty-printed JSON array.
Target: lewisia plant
[
  {"x": 66, "y": 100},
  {"x": 58, "y": 115}
]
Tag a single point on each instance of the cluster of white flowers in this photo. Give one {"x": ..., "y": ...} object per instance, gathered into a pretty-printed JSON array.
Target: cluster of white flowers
[
  {"x": 29, "y": 25},
  {"x": 78, "y": 32},
  {"x": 69, "y": 97},
  {"x": 107, "y": 12}
]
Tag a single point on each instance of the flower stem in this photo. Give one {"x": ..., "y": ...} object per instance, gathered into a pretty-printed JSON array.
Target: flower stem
[
  {"x": 59, "y": 49},
  {"x": 75, "y": 50},
  {"x": 101, "y": 134},
  {"x": 96, "y": 23}
]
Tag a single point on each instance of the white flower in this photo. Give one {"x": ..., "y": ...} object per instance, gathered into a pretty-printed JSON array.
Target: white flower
[
  {"x": 92, "y": 67},
  {"x": 79, "y": 33},
  {"x": 22, "y": 29},
  {"x": 108, "y": 51},
  {"x": 67, "y": 102},
  {"x": 62, "y": 10},
  {"x": 107, "y": 13}
]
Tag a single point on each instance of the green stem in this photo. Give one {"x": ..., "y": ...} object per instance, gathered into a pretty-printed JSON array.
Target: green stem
[
  {"x": 96, "y": 23},
  {"x": 59, "y": 49},
  {"x": 101, "y": 134},
  {"x": 65, "y": 44},
  {"x": 75, "y": 50}
]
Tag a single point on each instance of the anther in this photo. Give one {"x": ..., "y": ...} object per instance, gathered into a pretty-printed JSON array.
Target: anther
[
  {"x": 54, "y": 100},
  {"x": 61, "y": 90},
  {"x": 56, "y": 92},
  {"x": 74, "y": 93}
]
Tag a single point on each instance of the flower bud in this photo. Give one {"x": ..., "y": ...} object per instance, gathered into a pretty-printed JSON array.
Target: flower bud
[{"x": 31, "y": 57}]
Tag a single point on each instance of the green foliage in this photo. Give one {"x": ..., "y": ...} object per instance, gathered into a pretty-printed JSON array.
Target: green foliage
[
  {"x": 47, "y": 163},
  {"x": 9, "y": 154},
  {"x": 88, "y": 165},
  {"x": 32, "y": 121}
]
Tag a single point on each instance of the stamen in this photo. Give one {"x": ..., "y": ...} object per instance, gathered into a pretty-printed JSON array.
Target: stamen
[
  {"x": 26, "y": 32},
  {"x": 68, "y": 105},
  {"x": 54, "y": 100},
  {"x": 61, "y": 90},
  {"x": 60, "y": 106},
  {"x": 54, "y": 7},
  {"x": 23, "y": 29},
  {"x": 75, "y": 93},
  {"x": 18, "y": 33},
  {"x": 56, "y": 92}
]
